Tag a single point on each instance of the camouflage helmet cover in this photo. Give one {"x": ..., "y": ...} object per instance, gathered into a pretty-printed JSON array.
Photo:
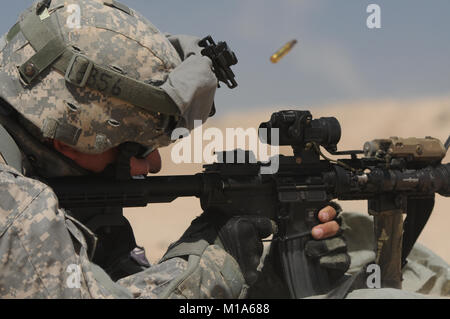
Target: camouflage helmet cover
[{"x": 119, "y": 41}]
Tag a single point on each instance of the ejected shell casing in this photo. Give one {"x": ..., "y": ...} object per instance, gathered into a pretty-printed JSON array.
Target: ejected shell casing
[{"x": 277, "y": 56}]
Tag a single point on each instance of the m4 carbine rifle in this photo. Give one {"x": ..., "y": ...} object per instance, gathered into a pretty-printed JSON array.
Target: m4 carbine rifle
[{"x": 395, "y": 175}]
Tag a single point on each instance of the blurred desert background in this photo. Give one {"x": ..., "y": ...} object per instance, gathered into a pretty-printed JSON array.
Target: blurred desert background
[{"x": 157, "y": 225}]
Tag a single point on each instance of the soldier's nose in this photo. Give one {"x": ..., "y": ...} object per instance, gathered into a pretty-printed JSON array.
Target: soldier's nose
[{"x": 143, "y": 166}]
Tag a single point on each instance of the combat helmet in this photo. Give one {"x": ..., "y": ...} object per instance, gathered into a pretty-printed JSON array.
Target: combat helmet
[{"x": 96, "y": 74}]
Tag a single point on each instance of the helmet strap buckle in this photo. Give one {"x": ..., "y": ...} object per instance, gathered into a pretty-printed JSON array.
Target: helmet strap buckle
[{"x": 83, "y": 74}]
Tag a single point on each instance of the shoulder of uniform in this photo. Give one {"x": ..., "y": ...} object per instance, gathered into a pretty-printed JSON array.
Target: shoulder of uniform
[
  {"x": 17, "y": 193},
  {"x": 13, "y": 182}
]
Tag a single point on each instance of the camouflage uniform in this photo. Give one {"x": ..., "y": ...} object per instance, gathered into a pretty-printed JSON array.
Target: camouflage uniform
[
  {"x": 93, "y": 82},
  {"x": 44, "y": 254}
]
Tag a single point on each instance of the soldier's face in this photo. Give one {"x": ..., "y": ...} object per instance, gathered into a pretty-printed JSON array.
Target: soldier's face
[{"x": 98, "y": 162}]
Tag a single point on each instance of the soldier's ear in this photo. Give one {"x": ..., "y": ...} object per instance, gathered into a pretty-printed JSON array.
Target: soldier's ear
[{"x": 65, "y": 149}]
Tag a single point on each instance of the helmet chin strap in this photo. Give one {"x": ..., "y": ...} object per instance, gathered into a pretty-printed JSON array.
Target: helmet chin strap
[{"x": 120, "y": 169}]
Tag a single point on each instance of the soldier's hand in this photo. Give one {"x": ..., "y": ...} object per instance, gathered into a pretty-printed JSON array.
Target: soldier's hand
[
  {"x": 241, "y": 237},
  {"x": 329, "y": 245}
]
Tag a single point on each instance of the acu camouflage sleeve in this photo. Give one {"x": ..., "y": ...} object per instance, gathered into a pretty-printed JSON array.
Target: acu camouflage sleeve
[
  {"x": 209, "y": 273},
  {"x": 44, "y": 254}
]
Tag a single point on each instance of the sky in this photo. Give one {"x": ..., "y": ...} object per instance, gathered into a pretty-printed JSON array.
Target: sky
[{"x": 337, "y": 58}]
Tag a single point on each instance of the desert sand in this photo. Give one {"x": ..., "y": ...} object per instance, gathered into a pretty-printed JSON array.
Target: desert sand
[{"x": 157, "y": 225}]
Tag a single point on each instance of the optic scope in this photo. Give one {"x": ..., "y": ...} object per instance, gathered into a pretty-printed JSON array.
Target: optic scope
[{"x": 297, "y": 129}]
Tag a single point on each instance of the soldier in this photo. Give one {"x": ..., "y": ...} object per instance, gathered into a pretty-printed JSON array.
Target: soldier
[{"x": 100, "y": 98}]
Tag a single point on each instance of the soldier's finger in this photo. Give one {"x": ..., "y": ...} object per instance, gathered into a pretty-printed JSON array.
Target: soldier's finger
[
  {"x": 326, "y": 230},
  {"x": 327, "y": 214}
]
